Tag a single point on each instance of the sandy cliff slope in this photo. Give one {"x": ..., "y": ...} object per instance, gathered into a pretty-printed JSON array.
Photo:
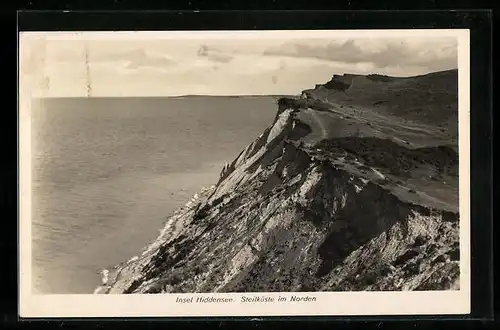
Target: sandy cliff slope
[{"x": 342, "y": 192}]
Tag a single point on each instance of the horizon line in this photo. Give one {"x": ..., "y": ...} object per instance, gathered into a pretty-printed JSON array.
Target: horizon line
[
  {"x": 239, "y": 95},
  {"x": 165, "y": 96}
]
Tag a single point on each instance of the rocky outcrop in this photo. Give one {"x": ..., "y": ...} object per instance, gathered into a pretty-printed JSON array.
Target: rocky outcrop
[{"x": 280, "y": 218}]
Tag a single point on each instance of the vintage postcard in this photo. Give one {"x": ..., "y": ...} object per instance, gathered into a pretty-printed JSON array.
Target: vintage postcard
[{"x": 244, "y": 173}]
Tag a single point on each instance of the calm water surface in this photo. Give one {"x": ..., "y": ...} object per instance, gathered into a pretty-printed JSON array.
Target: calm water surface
[{"x": 107, "y": 173}]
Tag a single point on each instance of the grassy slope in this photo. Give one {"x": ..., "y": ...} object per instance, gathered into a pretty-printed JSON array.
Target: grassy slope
[
  {"x": 430, "y": 99},
  {"x": 406, "y": 128}
]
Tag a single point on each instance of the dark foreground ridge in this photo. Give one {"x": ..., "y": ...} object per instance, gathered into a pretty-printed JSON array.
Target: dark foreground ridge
[
  {"x": 338, "y": 194},
  {"x": 393, "y": 158}
]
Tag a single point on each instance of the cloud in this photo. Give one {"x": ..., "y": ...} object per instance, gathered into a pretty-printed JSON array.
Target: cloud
[
  {"x": 433, "y": 54},
  {"x": 230, "y": 66},
  {"x": 136, "y": 58},
  {"x": 214, "y": 54}
]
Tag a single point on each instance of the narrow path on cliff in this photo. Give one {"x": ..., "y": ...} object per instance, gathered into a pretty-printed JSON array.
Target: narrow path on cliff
[{"x": 324, "y": 133}]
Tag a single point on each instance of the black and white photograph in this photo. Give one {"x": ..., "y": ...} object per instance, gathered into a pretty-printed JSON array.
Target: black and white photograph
[{"x": 244, "y": 172}]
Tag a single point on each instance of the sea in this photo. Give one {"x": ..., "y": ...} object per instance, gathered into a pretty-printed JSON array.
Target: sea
[{"x": 107, "y": 173}]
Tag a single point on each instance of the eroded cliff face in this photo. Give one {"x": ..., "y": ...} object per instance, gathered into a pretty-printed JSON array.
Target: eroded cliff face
[{"x": 282, "y": 219}]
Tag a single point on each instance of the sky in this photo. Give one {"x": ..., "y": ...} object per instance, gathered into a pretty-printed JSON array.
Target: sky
[{"x": 63, "y": 67}]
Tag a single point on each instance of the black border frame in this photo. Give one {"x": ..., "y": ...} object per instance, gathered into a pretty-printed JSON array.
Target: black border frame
[{"x": 478, "y": 21}]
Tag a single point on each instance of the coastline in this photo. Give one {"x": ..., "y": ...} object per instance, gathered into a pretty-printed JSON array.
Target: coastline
[
  {"x": 275, "y": 191},
  {"x": 111, "y": 276}
]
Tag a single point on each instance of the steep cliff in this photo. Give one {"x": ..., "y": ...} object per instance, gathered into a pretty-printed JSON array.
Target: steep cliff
[{"x": 321, "y": 201}]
